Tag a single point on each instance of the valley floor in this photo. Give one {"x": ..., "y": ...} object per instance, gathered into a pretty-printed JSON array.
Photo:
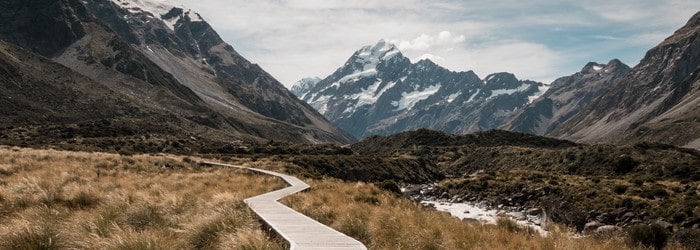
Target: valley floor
[{"x": 78, "y": 200}]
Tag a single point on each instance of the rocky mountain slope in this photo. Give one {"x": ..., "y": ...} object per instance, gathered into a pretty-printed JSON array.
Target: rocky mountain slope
[
  {"x": 379, "y": 91},
  {"x": 566, "y": 97},
  {"x": 165, "y": 59},
  {"x": 658, "y": 100}
]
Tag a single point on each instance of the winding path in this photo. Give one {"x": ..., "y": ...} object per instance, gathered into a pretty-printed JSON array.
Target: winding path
[{"x": 299, "y": 230}]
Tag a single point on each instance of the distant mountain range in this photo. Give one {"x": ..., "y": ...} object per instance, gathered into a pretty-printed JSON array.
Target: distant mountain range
[
  {"x": 378, "y": 91},
  {"x": 143, "y": 67}
]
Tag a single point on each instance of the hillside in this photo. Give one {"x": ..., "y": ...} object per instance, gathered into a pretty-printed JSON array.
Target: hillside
[
  {"x": 566, "y": 97},
  {"x": 657, "y": 100},
  {"x": 146, "y": 60},
  {"x": 576, "y": 184}
]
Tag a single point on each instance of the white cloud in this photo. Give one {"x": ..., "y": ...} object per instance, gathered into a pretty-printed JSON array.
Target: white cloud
[
  {"x": 525, "y": 59},
  {"x": 442, "y": 41},
  {"x": 431, "y": 57}
]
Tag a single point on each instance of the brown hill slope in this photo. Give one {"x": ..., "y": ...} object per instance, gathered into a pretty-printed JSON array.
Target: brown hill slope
[
  {"x": 69, "y": 33},
  {"x": 658, "y": 100}
]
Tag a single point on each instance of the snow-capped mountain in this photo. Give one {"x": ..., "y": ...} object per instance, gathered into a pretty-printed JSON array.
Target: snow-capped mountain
[
  {"x": 566, "y": 97},
  {"x": 304, "y": 85},
  {"x": 379, "y": 91},
  {"x": 169, "y": 60}
]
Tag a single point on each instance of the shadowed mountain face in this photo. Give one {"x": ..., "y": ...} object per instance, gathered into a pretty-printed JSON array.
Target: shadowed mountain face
[
  {"x": 172, "y": 63},
  {"x": 566, "y": 97},
  {"x": 379, "y": 91},
  {"x": 658, "y": 100}
]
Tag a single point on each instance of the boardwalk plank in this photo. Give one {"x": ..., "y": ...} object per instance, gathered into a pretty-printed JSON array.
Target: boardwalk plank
[{"x": 300, "y": 231}]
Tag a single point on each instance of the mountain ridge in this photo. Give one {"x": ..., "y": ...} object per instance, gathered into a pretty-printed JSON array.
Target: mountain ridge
[
  {"x": 136, "y": 53},
  {"x": 657, "y": 100},
  {"x": 565, "y": 97},
  {"x": 380, "y": 91}
]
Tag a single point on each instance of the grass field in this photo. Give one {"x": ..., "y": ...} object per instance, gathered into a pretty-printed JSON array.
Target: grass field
[
  {"x": 75, "y": 200},
  {"x": 58, "y": 200},
  {"x": 382, "y": 220}
]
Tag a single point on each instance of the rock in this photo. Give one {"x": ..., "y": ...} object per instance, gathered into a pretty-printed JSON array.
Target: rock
[
  {"x": 592, "y": 226},
  {"x": 471, "y": 220},
  {"x": 534, "y": 211},
  {"x": 604, "y": 218},
  {"x": 628, "y": 216},
  {"x": 665, "y": 225},
  {"x": 444, "y": 195},
  {"x": 519, "y": 216},
  {"x": 608, "y": 229}
]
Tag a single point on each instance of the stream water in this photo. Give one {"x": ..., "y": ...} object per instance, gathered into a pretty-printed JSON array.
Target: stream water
[{"x": 484, "y": 214}]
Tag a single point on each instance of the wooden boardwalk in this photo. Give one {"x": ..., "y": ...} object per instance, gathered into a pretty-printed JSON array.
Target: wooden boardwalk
[{"x": 299, "y": 230}]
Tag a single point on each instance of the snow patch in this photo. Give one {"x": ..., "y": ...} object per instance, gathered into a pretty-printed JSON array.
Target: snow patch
[
  {"x": 408, "y": 100},
  {"x": 452, "y": 97},
  {"x": 156, "y": 9},
  {"x": 597, "y": 68},
  {"x": 366, "y": 96},
  {"x": 171, "y": 22},
  {"x": 320, "y": 103},
  {"x": 540, "y": 91},
  {"x": 497, "y": 92},
  {"x": 370, "y": 56},
  {"x": 471, "y": 98},
  {"x": 356, "y": 76}
]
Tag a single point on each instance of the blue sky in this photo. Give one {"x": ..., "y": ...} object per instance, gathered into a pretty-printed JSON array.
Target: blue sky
[{"x": 537, "y": 40}]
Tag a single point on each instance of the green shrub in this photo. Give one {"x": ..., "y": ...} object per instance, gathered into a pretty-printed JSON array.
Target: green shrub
[
  {"x": 83, "y": 200},
  {"x": 141, "y": 218},
  {"x": 507, "y": 224},
  {"x": 648, "y": 235},
  {"x": 624, "y": 164},
  {"x": 390, "y": 185},
  {"x": 620, "y": 189}
]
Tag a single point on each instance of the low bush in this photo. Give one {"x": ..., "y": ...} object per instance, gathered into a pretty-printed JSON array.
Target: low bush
[{"x": 652, "y": 235}]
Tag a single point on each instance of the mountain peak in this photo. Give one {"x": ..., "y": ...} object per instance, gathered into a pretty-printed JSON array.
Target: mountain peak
[
  {"x": 613, "y": 66},
  {"x": 165, "y": 10},
  {"x": 592, "y": 67},
  {"x": 304, "y": 85},
  {"x": 500, "y": 77},
  {"x": 381, "y": 51}
]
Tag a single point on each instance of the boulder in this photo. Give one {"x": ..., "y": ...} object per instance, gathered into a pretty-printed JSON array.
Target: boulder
[
  {"x": 608, "y": 229},
  {"x": 665, "y": 225},
  {"x": 534, "y": 211},
  {"x": 592, "y": 226}
]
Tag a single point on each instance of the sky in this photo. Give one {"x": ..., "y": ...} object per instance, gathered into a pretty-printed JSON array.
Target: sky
[{"x": 537, "y": 40}]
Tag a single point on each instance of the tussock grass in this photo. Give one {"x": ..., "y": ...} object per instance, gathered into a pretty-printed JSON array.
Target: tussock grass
[
  {"x": 57, "y": 200},
  {"x": 382, "y": 220}
]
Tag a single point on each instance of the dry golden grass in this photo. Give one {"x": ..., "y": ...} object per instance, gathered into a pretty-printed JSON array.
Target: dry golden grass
[
  {"x": 383, "y": 221},
  {"x": 71, "y": 200},
  {"x": 56, "y": 200}
]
